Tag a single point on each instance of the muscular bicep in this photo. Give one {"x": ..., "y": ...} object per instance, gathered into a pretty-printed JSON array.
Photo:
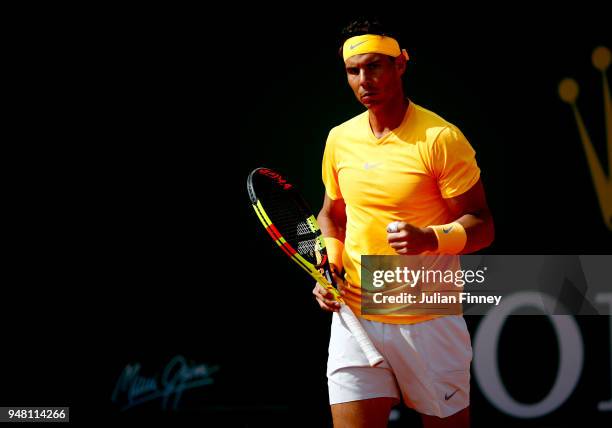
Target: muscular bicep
[
  {"x": 471, "y": 210},
  {"x": 332, "y": 217},
  {"x": 472, "y": 202}
]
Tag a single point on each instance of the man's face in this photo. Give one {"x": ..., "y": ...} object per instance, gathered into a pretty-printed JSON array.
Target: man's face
[{"x": 375, "y": 78}]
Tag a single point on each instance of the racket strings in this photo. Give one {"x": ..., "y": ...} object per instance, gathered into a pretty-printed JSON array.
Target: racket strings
[{"x": 290, "y": 220}]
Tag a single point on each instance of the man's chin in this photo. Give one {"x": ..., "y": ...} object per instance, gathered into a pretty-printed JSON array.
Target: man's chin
[{"x": 371, "y": 104}]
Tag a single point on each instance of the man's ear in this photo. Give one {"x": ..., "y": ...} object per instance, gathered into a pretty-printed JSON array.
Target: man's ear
[{"x": 400, "y": 64}]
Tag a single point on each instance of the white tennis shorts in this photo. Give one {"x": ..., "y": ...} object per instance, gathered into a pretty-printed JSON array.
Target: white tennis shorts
[{"x": 427, "y": 363}]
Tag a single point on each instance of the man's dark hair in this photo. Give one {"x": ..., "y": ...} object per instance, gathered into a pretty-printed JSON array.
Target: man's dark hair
[{"x": 370, "y": 25}]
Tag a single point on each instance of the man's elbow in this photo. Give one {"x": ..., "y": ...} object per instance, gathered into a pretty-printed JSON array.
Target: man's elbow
[
  {"x": 322, "y": 216},
  {"x": 490, "y": 232}
]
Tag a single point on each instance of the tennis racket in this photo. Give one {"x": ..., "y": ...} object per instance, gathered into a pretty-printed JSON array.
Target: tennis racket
[{"x": 292, "y": 225}]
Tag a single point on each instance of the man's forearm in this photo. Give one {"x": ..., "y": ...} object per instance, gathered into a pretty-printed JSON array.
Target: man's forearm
[
  {"x": 479, "y": 229},
  {"x": 331, "y": 228}
]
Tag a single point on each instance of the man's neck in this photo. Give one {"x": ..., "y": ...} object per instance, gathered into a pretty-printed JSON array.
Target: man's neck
[{"x": 388, "y": 117}]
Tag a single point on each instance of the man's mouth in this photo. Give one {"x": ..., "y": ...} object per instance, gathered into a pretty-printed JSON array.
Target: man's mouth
[{"x": 368, "y": 95}]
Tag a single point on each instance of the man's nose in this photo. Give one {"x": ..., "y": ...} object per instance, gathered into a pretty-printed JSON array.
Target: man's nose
[{"x": 364, "y": 77}]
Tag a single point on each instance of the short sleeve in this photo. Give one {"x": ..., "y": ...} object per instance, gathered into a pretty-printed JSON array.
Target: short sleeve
[
  {"x": 454, "y": 163},
  {"x": 330, "y": 169}
]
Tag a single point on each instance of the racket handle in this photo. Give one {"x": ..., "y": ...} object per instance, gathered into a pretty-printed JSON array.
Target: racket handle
[{"x": 359, "y": 333}]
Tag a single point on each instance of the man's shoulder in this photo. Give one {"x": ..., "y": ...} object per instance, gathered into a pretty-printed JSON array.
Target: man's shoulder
[
  {"x": 429, "y": 118},
  {"x": 433, "y": 125}
]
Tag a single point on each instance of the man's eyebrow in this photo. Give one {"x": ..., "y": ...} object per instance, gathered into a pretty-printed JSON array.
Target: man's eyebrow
[{"x": 373, "y": 61}]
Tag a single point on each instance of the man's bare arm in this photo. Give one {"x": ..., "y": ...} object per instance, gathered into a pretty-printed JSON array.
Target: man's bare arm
[
  {"x": 332, "y": 218},
  {"x": 469, "y": 209}
]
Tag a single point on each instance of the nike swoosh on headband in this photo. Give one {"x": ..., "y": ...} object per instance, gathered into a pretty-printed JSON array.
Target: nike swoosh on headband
[{"x": 357, "y": 44}]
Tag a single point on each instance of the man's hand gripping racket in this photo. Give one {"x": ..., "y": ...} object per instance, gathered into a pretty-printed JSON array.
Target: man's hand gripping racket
[{"x": 292, "y": 225}]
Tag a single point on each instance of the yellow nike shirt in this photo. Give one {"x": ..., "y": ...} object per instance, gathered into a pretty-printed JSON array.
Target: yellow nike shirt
[{"x": 405, "y": 175}]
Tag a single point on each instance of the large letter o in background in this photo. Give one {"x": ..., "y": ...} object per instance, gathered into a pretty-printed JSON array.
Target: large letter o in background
[{"x": 486, "y": 368}]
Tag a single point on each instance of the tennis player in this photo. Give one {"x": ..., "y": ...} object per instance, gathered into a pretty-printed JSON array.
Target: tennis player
[{"x": 399, "y": 179}]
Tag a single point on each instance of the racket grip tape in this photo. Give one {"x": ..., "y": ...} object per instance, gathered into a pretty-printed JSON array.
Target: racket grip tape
[{"x": 366, "y": 345}]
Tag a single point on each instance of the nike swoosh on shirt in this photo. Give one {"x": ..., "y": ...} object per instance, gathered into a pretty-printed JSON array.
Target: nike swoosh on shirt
[
  {"x": 448, "y": 230},
  {"x": 369, "y": 165},
  {"x": 357, "y": 44},
  {"x": 448, "y": 397}
]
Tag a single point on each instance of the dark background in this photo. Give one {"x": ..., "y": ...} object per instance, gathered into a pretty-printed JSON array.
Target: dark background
[{"x": 133, "y": 132}]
